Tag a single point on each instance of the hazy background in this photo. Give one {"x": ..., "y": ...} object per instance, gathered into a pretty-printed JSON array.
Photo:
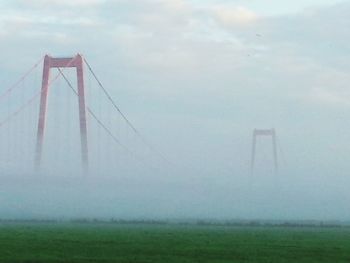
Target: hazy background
[{"x": 195, "y": 78}]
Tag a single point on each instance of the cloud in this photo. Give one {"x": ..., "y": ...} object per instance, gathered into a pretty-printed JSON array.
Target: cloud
[
  {"x": 235, "y": 16},
  {"x": 176, "y": 5},
  {"x": 60, "y": 3},
  {"x": 179, "y": 41},
  {"x": 329, "y": 88},
  {"x": 330, "y": 98}
]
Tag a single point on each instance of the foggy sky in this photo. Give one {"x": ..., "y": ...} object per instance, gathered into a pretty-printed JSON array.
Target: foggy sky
[{"x": 196, "y": 77}]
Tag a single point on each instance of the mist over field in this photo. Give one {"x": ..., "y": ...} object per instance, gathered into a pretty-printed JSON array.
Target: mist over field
[{"x": 194, "y": 78}]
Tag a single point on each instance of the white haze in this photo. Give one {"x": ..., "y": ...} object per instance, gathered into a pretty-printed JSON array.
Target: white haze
[{"x": 195, "y": 78}]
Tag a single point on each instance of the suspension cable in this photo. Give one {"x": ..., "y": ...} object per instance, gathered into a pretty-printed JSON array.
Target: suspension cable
[
  {"x": 94, "y": 115},
  {"x": 24, "y": 106},
  {"x": 115, "y": 139},
  {"x": 152, "y": 148},
  {"x": 21, "y": 79},
  {"x": 279, "y": 145},
  {"x": 31, "y": 100}
]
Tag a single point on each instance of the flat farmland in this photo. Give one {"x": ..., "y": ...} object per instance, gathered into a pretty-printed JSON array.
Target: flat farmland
[{"x": 112, "y": 242}]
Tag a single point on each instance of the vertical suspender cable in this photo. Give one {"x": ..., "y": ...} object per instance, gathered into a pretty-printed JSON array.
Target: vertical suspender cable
[
  {"x": 9, "y": 132},
  {"x": 145, "y": 142},
  {"x": 104, "y": 127}
]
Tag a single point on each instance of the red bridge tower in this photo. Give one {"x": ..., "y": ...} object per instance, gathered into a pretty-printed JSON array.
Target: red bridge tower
[{"x": 73, "y": 62}]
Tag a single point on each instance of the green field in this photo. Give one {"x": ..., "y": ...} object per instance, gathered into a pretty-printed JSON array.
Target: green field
[{"x": 69, "y": 242}]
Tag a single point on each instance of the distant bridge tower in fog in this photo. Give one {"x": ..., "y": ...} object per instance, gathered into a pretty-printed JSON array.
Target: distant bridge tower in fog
[
  {"x": 264, "y": 133},
  {"x": 72, "y": 62}
]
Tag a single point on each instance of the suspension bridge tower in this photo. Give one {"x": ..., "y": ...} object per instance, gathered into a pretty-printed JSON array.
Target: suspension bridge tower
[
  {"x": 71, "y": 62},
  {"x": 264, "y": 133}
]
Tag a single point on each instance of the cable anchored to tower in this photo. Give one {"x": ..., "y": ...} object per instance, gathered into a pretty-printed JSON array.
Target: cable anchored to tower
[{"x": 109, "y": 97}]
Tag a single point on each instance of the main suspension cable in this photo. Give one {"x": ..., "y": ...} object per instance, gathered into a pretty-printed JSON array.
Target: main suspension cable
[
  {"x": 20, "y": 80},
  {"x": 31, "y": 100},
  {"x": 115, "y": 139},
  {"x": 23, "y": 106},
  {"x": 104, "y": 127},
  {"x": 153, "y": 149}
]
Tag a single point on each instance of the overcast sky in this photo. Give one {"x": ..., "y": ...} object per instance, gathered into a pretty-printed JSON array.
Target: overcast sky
[{"x": 196, "y": 77}]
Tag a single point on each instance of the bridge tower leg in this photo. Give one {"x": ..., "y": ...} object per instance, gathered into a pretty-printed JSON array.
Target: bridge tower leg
[
  {"x": 264, "y": 132},
  {"x": 72, "y": 62}
]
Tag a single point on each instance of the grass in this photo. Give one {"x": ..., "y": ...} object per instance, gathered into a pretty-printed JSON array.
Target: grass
[{"x": 68, "y": 242}]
